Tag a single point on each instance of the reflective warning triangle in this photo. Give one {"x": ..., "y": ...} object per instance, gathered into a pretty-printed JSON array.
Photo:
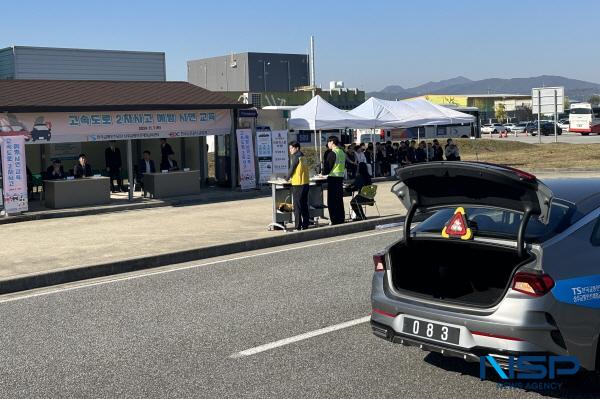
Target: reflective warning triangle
[{"x": 457, "y": 226}]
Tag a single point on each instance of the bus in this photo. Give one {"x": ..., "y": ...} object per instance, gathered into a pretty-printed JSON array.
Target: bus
[{"x": 584, "y": 119}]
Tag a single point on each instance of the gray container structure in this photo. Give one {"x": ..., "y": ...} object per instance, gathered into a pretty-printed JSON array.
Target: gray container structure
[
  {"x": 25, "y": 62},
  {"x": 250, "y": 72}
]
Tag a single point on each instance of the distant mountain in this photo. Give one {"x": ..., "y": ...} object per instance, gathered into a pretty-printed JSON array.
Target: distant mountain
[
  {"x": 392, "y": 93},
  {"x": 576, "y": 90},
  {"x": 431, "y": 87}
]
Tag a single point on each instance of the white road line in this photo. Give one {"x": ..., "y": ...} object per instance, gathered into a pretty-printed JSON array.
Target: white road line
[
  {"x": 169, "y": 269},
  {"x": 301, "y": 337}
]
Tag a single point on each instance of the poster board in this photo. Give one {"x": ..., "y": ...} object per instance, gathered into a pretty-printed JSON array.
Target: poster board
[
  {"x": 245, "y": 149},
  {"x": 264, "y": 151},
  {"x": 280, "y": 153}
]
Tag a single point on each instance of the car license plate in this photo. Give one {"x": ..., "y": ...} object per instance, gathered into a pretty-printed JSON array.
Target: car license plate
[{"x": 429, "y": 330}]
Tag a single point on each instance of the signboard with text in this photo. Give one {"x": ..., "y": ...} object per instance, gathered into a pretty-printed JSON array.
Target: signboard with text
[
  {"x": 280, "y": 152},
  {"x": 14, "y": 175},
  {"x": 264, "y": 152},
  {"x": 246, "y": 159},
  {"x": 64, "y": 127}
]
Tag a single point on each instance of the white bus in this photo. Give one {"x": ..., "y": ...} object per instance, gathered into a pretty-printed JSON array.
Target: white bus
[{"x": 583, "y": 119}]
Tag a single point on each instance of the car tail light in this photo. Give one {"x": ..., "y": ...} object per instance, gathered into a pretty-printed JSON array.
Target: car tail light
[
  {"x": 379, "y": 261},
  {"x": 532, "y": 284}
]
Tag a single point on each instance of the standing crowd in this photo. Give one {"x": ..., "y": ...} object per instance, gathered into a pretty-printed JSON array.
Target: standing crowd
[{"x": 402, "y": 153}]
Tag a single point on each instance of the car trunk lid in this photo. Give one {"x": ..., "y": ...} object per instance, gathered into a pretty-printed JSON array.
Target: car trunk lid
[{"x": 434, "y": 185}]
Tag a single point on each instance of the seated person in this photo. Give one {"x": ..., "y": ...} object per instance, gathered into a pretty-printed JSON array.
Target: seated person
[
  {"x": 55, "y": 171},
  {"x": 362, "y": 179},
  {"x": 169, "y": 164},
  {"x": 82, "y": 168},
  {"x": 145, "y": 165}
]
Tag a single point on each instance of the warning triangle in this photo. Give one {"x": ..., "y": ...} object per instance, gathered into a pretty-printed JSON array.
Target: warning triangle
[{"x": 457, "y": 226}]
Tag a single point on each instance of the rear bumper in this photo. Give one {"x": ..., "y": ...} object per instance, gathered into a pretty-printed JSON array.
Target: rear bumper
[
  {"x": 580, "y": 130},
  {"x": 470, "y": 355}
]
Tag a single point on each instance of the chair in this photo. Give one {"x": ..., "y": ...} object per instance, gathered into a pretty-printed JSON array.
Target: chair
[{"x": 367, "y": 198}]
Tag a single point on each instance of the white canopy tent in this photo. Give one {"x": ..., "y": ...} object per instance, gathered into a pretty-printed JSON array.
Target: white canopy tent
[
  {"x": 408, "y": 113},
  {"x": 318, "y": 114}
]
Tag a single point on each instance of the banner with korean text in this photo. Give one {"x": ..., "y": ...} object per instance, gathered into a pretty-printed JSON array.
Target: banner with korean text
[
  {"x": 73, "y": 127},
  {"x": 14, "y": 175},
  {"x": 246, "y": 159}
]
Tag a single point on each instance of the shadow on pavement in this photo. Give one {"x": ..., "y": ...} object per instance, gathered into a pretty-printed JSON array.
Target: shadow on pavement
[{"x": 583, "y": 385}]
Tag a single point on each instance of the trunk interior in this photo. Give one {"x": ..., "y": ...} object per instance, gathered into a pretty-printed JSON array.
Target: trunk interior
[{"x": 454, "y": 271}]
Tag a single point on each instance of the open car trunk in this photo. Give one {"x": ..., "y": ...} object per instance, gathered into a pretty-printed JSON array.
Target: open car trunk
[{"x": 468, "y": 273}]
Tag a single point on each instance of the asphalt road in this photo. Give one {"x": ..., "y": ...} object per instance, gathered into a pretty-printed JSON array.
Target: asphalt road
[
  {"x": 198, "y": 330},
  {"x": 572, "y": 138}
]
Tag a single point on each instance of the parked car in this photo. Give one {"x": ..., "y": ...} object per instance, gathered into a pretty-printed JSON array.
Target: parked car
[
  {"x": 548, "y": 128},
  {"x": 523, "y": 127},
  {"x": 504, "y": 265},
  {"x": 564, "y": 124},
  {"x": 493, "y": 128},
  {"x": 509, "y": 126}
]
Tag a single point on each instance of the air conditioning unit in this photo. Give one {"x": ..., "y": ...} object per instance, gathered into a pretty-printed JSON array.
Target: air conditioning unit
[{"x": 256, "y": 99}]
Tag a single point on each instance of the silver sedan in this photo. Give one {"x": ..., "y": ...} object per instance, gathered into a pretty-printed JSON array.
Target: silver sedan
[{"x": 502, "y": 266}]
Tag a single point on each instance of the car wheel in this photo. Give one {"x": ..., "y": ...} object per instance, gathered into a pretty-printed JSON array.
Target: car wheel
[
  {"x": 494, "y": 132},
  {"x": 585, "y": 134}
]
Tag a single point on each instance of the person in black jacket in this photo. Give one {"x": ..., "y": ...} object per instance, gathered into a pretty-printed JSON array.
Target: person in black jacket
[
  {"x": 170, "y": 165},
  {"x": 112, "y": 156},
  {"x": 438, "y": 151},
  {"x": 82, "y": 168},
  {"x": 165, "y": 151},
  {"x": 362, "y": 179},
  {"x": 55, "y": 171}
]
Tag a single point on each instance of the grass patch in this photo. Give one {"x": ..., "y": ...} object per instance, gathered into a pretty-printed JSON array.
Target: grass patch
[{"x": 530, "y": 156}]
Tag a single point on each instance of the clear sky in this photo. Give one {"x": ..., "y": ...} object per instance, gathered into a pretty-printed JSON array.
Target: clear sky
[{"x": 367, "y": 44}]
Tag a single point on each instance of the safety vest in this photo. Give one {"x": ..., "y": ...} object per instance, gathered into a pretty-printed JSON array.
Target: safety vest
[
  {"x": 300, "y": 175},
  {"x": 339, "y": 168}
]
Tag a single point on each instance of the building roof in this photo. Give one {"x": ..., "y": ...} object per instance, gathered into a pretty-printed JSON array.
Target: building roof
[
  {"x": 495, "y": 95},
  {"x": 83, "y": 49},
  {"x": 98, "y": 95}
]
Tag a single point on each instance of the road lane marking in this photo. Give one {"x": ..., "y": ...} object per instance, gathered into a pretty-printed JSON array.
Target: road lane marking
[
  {"x": 301, "y": 337},
  {"x": 167, "y": 269}
]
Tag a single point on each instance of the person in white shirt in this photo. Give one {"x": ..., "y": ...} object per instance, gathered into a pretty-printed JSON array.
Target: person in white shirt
[{"x": 360, "y": 154}]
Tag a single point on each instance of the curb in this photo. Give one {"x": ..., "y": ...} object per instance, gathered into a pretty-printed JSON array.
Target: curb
[
  {"x": 128, "y": 207},
  {"x": 134, "y": 264}
]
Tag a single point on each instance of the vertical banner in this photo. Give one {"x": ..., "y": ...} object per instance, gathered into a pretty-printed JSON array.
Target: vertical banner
[
  {"x": 280, "y": 152},
  {"x": 246, "y": 159},
  {"x": 14, "y": 175},
  {"x": 264, "y": 152}
]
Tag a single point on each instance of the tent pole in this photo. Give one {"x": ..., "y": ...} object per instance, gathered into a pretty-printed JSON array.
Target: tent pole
[
  {"x": 374, "y": 152},
  {"x": 320, "y": 150}
]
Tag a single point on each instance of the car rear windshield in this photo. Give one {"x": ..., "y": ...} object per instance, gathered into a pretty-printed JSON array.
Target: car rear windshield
[
  {"x": 500, "y": 223},
  {"x": 581, "y": 111}
]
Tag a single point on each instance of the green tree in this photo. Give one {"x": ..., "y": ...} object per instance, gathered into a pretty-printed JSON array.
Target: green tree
[
  {"x": 500, "y": 112},
  {"x": 594, "y": 100}
]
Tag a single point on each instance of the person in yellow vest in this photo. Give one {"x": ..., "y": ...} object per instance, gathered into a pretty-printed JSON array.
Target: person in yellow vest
[
  {"x": 298, "y": 176},
  {"x": 335, "y": 168}
]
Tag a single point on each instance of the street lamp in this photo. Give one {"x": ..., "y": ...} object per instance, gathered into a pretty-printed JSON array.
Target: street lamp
[
  {"x": 288, "y": 74},
  {"x": 265, "y": 63}
]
